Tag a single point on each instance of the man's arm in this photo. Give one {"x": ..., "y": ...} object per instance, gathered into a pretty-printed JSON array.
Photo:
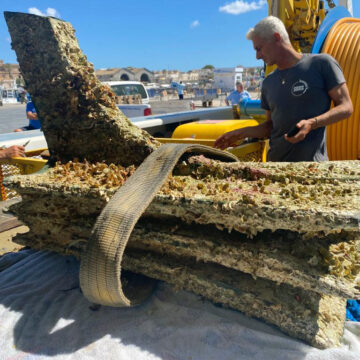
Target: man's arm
[
  {"x": 31, "y": 116},
  {"x": 342, "y": 109},
  {"x": 30, "y": 111},
  {"x": 12, "y": 151},
  {"x": 227, "y": 99},
  {"x": 246, "y": 95},
  {"x": 232, "y": 137}
]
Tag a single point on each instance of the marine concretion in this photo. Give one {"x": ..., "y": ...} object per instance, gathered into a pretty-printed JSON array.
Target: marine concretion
[
  {"x": 277, "y": 241},
  {"x": 78, "y": 114}
]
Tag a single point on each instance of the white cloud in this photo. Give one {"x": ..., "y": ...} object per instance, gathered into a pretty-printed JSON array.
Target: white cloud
[
  {"x": 8, "y": 39},
  {"x": 194, "y": 24},
  {"x": 49, "y": 12},
  {"x": 35, "y": 11},
  {"x": 240, "y": 6},
  {"x": 52, "y": 12}
]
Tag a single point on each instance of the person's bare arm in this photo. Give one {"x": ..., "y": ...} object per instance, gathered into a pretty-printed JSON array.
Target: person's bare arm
[
  {"x": 31, "y": 116},
  {"x": 342, "y": 109},
  {"x": 231, "y": 138},
  {"x": 12, "y": 151}
]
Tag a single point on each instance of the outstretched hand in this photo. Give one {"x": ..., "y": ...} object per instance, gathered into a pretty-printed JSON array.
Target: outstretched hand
[
  {"x": 230, "y": 138},
  {"x": 12, "y": 151}
]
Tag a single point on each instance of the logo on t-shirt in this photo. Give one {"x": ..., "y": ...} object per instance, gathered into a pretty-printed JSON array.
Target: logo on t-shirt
[{"x": 299, "y": 88}]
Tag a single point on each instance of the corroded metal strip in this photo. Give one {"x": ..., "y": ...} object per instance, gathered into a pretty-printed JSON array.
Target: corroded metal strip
[
  {"x": 328, "y": 265},
  {"x": 248, "y": 199},
  {"x": 316, "y": 319},
  {"x": 78, "y": 114}
]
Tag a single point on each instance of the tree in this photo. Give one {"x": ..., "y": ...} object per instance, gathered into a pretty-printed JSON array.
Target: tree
[
  {"x": 20, "y": 81},
  {"x": 210, "y": 67}
]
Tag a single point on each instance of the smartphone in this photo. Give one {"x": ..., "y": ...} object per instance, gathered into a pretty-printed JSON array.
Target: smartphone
[{"x": 293, "y": 131}]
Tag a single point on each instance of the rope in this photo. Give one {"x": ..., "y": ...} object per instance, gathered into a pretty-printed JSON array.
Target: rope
[
  {"x": 2, "y": 187},
  {"x": 343, "y": 43},
  {"x": 100, "y": 269}
]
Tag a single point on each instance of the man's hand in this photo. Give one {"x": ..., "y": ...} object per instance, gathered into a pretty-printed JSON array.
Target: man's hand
[
  {"x": 343, "y": 108},
  {"x": 304, "y": 126},
  {"x": 233, "y": 138},
  {"x": 12, "y": 151},
  {"x": 230, "y": 138}
]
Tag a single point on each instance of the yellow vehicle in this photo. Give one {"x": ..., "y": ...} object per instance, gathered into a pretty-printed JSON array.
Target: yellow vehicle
[{"x": 20, "y": 165}]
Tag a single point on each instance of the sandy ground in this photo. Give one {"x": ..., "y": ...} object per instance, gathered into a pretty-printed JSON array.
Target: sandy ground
[
  {"x": 6, "y": 243},
  {"x": 9, "y": 227}
]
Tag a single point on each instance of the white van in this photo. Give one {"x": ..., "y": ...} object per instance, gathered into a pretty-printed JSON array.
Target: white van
[{"x": 128, "y": 88}]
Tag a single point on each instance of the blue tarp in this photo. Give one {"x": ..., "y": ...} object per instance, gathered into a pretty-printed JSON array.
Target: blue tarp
[{"x": 353, "y": 310}]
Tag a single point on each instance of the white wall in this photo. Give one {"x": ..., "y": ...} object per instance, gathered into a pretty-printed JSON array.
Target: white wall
[{"x": 225, "y": 78}]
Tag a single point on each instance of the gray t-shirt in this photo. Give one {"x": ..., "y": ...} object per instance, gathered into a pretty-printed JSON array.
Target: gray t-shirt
[{"x": 298, "y": 93}]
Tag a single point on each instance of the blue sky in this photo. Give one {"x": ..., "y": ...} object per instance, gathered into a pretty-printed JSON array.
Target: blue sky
[{"x": 156, "y": 34}]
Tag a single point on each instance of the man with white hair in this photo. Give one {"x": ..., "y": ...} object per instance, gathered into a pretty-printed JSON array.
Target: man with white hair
[
  {"x": 296, "y": 96},
  {"x": 237, "y": 95}
]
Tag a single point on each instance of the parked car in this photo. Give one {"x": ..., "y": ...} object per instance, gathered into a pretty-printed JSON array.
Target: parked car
[{"x": 127, "y": 91}]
